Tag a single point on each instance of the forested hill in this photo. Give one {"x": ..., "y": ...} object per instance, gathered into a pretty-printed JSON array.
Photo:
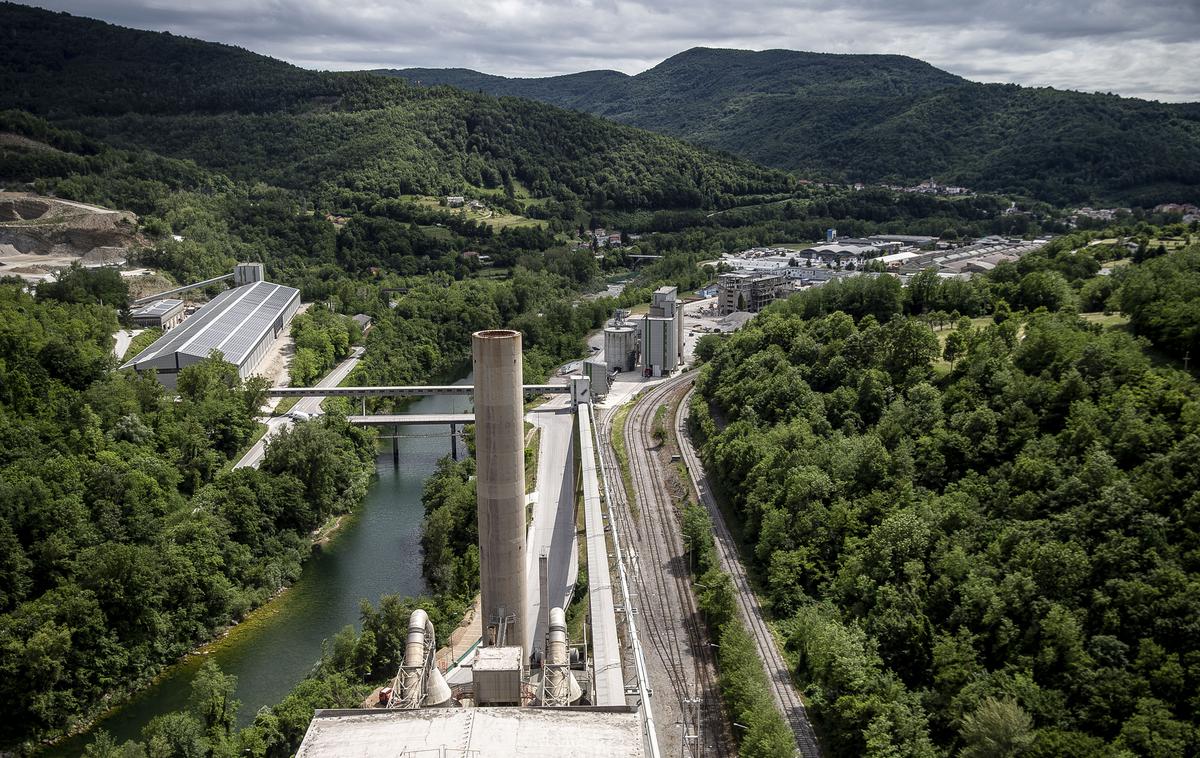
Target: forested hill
[
  {"x": 886, "y": 117},
  {"x": 257, "y": 118}
]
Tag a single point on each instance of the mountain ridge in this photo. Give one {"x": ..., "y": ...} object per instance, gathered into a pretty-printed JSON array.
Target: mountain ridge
[
  {"x": 335, "y": 133},
  {"x": 866, "y": 117}
]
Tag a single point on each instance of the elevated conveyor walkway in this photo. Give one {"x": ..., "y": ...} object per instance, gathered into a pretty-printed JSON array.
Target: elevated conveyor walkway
[
  {"x": 410, "y": 391},
  {"x": 412, "y": 419},
  {"x": 609, "y": 681}
]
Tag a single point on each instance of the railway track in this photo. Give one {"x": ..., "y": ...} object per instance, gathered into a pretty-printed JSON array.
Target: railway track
[
  {"x": 783, "y": 691},
  {"x": 667, "y": 609}
]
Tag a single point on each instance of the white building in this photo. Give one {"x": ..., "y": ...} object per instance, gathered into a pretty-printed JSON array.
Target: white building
[{"x": 163, "y": 314}]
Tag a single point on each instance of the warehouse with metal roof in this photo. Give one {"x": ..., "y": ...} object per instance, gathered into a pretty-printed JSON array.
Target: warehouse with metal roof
[
  {"x": 241, "y": 323},
  {"x": 163, "y": 314}
]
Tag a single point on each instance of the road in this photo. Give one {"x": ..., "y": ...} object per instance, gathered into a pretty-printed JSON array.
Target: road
[
  {"x": 310, "y": 405},
  {"x": 783, "y": 690},
  {"x": 123, "y": 338},
  {"x": 553, "y": 525},
  {"x": 679, "y": 661}
]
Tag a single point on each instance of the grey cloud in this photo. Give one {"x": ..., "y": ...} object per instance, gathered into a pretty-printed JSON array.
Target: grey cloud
[{"x": 1145, "y": 48}]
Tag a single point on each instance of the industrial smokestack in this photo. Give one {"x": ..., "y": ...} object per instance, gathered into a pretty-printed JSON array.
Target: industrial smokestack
[{"x": 500, "y": 485}]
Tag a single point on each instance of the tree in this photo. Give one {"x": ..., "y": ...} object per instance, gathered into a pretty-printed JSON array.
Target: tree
[
  {"x": 956, "y": 343},
  {"x": 212, "y": 698},
  {"x": 77, "y": 284},
  {"x": 996, "y": 729},
  {"x": 176, "y": 735},
  {"x": 1045, "y": 289},
  {"x": 1001, "y": 312}
]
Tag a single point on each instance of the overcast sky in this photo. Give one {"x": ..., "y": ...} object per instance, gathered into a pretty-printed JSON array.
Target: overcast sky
[{"x": 1140, "y": 48}]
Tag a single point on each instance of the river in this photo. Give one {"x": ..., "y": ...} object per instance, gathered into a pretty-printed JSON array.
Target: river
[{"x": 375, "y": 552}]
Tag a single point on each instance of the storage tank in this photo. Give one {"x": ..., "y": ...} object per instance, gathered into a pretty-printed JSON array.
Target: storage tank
[{"x": 620, "y": 347}]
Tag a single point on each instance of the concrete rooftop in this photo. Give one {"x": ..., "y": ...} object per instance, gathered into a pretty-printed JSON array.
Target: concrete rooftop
[{"x": 474, "y": 732}]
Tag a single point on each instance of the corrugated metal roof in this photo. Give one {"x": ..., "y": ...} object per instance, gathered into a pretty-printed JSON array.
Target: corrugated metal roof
[
  {"x": 157, "y": 308},
  {"x": 233, "y": 322}
]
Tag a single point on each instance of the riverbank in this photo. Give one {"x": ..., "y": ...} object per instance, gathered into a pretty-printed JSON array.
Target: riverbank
[
  {"x": 358, "y": 556},
  {"x": 114, "y": 703}
]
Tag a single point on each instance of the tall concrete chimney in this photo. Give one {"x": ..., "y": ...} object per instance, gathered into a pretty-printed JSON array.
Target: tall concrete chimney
[{"x": 500, "y": 485}]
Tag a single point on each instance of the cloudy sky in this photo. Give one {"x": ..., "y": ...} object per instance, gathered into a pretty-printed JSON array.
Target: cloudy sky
[{"x": 1140, "y": 48}]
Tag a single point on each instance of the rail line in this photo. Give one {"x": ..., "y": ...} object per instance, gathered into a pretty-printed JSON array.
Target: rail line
[
  {"x": 783, "y": 691},
  {"x": 671, "y": 625}
]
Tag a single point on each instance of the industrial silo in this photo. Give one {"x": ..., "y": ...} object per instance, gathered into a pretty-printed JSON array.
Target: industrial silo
[{"x": 620, "y": 346}]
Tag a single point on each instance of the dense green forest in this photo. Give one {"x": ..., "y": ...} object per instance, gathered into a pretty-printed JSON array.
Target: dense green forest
[
  {"x": 256, "y": 118},
  {"x": 322, "y": 338},
  {"x": 888, "y": 118},
  {"x": 351, "y": 664},
  {"x": 125, "y": 538},
  {"x": 1162, "y": 297},
  {"x": 982, "y": 540}
]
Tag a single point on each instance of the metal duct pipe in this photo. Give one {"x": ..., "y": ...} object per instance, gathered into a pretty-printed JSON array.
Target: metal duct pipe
[
  {"x": 500, "y": 485},
  {"x": 560, "y": 682},
  {"x": 419, "y": 627},
  {"x": 421, "y": 683}
]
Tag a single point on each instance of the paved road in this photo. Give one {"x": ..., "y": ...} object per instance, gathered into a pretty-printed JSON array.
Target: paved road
[
  {"x": 123, "y": 337},
  {"x": 310, "y": 405},
  {"x": 553, "y": 525},
  {"x": 783, "y": 690}
]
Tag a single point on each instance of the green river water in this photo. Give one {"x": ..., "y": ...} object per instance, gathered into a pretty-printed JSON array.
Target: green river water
[{"x": 376, "y": 552}]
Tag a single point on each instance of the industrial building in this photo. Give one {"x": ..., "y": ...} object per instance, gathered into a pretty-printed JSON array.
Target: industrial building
[
  {"x": 597, "y": 373},
  {"x": 748, "y": 292},
  {"x": 161, "y": 314},
  {"x": 241, "y": 323},
  {"x": 662, "y": 333}
]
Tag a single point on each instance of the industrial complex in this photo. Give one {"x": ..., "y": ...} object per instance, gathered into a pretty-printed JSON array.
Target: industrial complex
[
  {"x": 756, "y": 277},
  {"x": 526, "y": 689}
]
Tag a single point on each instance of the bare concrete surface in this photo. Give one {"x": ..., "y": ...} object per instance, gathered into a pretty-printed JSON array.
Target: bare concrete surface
[
  {"x": 553, "y": 527},
  {"x": 122, "y": 339},
  {"x": 474, "y": 732}
]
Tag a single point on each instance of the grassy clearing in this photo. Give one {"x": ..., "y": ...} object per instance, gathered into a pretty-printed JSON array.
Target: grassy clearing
[
  {"x": 1106, "y": 320},
  {"x": 532, "y": 450},
  {"x": 622, "y": 453},
  {"x": 141, "y": 342},
  {"x": 438, "y": 232},
  {"x": 796, "y": 245},
  {"x": 285, "y": 405},
  {"x": 494, "y": 217}
]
